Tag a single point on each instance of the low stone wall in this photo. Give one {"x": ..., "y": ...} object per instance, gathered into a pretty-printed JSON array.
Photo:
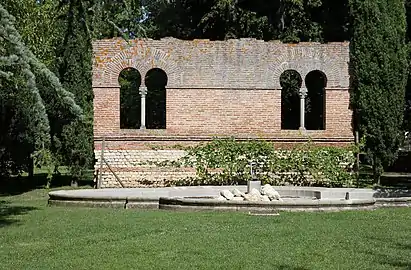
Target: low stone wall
[
  {"x": 155, "y": 177},
  {"x": 135, "y": 168}
]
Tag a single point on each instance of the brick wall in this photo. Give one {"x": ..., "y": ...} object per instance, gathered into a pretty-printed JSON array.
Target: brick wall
[
  {"x": 215, "y": 88},
  {"x": 232, "y": 64},
  {"x": 134, "y": 169}
]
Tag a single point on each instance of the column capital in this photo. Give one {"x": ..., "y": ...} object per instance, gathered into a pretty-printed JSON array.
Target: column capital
[
  {"x": 303, "y": 92},
  {"x": 143, "y": 90}
]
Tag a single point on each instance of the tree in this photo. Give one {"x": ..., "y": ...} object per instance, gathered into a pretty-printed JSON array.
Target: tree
[
  {"x": 379, "y": 72},
  {"x": 25, "y": 123},
  {"x": 36, "y": 23},
  {"x": 113, "y": 18},
  {"x": 215, "y": 20},
  {"x": 74, "y": 68},
  {"x": 304, "y": 20}
]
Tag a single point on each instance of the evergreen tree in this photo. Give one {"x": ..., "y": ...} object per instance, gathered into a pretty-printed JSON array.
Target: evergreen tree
[
  {"x": 74, "y": 68},
  {"x": 24, "y": 125},
  {"x": 31, "y": 97},
  {"x": 379, "y": 73}
]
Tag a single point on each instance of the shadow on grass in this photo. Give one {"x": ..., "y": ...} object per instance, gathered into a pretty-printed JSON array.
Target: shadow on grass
[
  {"x": 388, "y": 260},
  {"x": 22, "y": 184},
  {"x": 404, "y": 246},
  {"x": 287, "y": 267},
  {"x": 392, "y": 262},
  {"x": 9, "y": 212}
]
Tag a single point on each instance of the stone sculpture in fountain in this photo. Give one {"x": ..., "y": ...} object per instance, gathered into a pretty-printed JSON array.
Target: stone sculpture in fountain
[{"x": 267, "y": 194}]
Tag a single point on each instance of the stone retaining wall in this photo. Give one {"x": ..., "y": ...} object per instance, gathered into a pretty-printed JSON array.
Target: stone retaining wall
[{"x": 135, "y": 168}]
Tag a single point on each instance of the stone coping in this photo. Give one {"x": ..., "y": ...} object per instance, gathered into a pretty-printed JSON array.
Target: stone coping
[
  {"x": 187, "y": 191},
  {"x": 196, "y": 198},
  {"x": 292, "y": 205}
]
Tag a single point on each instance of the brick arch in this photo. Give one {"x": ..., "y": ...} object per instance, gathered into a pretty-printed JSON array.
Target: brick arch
[
  {"x": 305, "y": 65},
  {"x": 143, "y": 59}
]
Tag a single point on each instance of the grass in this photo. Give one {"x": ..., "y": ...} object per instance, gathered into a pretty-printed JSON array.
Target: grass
[{"x": 35, "y": 236}]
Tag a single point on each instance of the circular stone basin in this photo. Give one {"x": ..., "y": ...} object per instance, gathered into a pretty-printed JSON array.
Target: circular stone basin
[
  {"x": 287, "y": 204},
  {"x": 198, "y": 198}
]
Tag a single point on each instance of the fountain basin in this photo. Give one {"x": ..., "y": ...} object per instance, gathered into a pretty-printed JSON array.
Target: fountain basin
[
  {"x": 199, "y": 198},
  {"x": 288, "y": 204}
]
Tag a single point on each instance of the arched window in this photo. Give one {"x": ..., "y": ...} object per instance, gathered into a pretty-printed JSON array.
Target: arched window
[
  {"x": 315, "y": 81},
  {"x": 156, "y": 82},
  {"x": 130, "y": 112},
  {"x": 290, "y": 81}
]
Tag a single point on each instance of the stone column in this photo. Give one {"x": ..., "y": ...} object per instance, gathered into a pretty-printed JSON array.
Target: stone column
[
  {"x": 303, "y": 94},
  {"x": 143, "y": 93}
]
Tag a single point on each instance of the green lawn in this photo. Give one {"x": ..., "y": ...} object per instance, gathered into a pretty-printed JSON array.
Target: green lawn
[{"x": 34, "y": 236}]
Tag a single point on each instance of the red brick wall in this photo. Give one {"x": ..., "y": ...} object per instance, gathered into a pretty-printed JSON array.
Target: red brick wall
[
  {"x": 218, "y": 112},
  {"x": 338, "y": 114},
  {"x": 216, "y": 88},
  {"x": 232, "y": 64},
  {"x": 223, "y": 112},
  {"x": 106, "y": 111},
  {"x": 221, "y": 87}
]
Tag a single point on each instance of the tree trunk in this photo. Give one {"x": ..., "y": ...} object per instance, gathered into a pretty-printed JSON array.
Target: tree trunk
[
  {"x": 376, "y": 171},
  {"x": 31, "y": 168},
  {"x": 357, "y": 158}
]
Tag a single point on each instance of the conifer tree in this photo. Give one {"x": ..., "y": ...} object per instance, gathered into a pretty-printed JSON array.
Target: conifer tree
[
  {"x": 75, "y": 74},
  {"x": 379, "y": 73},
  {"x": 25, "y": 83}
]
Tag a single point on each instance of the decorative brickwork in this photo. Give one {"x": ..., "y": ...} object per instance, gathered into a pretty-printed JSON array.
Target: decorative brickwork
[{"x": 215, "y": 88}]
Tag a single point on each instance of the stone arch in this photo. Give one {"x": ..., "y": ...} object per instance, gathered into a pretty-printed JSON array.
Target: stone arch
[
  {"x": 304, "y": 63},
  {"x": 143, "y": 59}
]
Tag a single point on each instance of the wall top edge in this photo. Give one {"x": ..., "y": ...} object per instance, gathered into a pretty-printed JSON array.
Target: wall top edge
[
  {"x": 290, "y": 139},
  {"x": 254, "y": 40},
  {"x": 104, "y": 86}
]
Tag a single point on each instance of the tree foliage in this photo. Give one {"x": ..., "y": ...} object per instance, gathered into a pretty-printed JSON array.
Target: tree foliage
[
  {"x": 287, "y": 20},
  {"x": 25, "y": 86},
  {"x": 39, "y": 111},
  {"x": 36, "y": 23},
  {"x": 215, "y": 20},
  {"x": 115, "y": 18},
  {"x": 74, "y": 69},
  {"x": 379, "y": 72}
]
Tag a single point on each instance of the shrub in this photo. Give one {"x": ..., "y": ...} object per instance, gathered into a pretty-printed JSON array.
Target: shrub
[{"x": 228, "y": 162}]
